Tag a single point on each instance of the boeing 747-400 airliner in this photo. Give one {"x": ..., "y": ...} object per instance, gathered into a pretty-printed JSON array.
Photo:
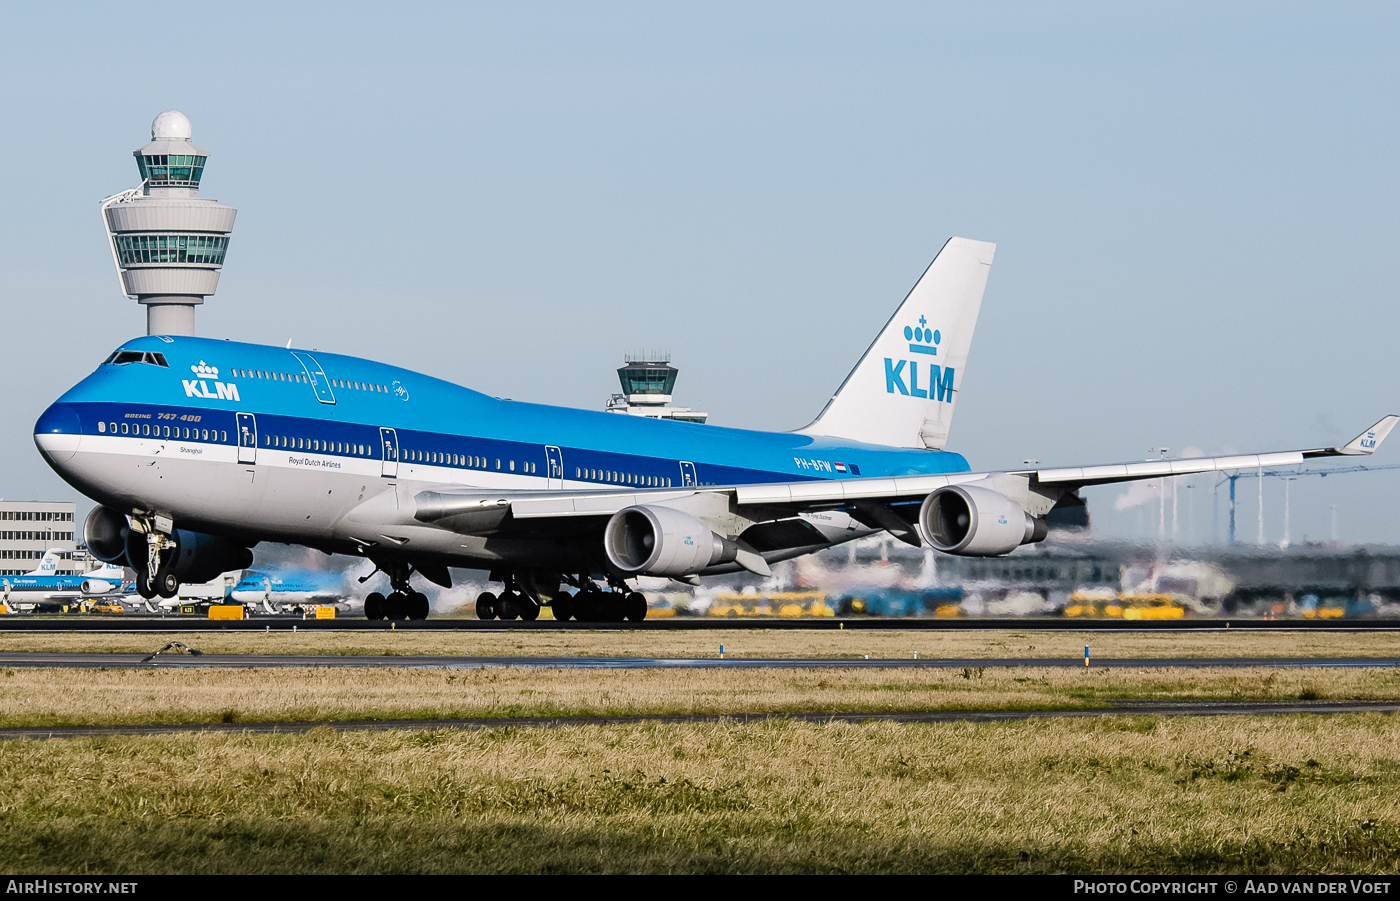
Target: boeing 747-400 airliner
[{"x": 198, "y": 449}]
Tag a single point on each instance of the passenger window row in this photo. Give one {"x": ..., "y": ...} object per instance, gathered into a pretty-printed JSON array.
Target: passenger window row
[
  {"x": 469, "y": 461},
  {"x": 360, "y": 386},
  {"x": 316, "y": 444},
  {"x": 147, "y": 430},
  {"x": 621, "y": 478},
  {"x": 270, "y": 376},
  {"x": 303, "y": 380}
]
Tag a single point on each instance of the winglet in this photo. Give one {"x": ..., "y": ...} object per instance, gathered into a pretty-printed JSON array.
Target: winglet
[{"x": 1365, "y": 443}]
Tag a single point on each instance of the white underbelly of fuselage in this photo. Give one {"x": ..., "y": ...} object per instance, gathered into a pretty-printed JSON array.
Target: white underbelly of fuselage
[{"x": 287, "y": 495}]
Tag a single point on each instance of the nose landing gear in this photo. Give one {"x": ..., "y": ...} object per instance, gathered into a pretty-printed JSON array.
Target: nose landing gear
[{"x": 151, "y": 552}]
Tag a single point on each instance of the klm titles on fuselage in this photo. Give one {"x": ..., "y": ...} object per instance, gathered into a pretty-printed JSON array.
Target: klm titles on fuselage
[
  {"x": 199, "y": 386},
  {"x": 923, "y": 341}
]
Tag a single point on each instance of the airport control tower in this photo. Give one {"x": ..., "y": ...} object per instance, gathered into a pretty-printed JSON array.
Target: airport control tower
[
  {"x": 167, "y": 241},
  {"x": 647, "y": 383}
]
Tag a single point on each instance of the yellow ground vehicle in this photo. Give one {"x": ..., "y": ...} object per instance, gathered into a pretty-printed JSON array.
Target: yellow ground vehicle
[
  {"x": 773, "y": 603},
  {"x": 1126, "y": 606}
]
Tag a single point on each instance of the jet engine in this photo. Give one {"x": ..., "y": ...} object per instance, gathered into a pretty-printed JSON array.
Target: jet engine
[
  {"x": 97, "y": 586},
  {"x": 976, "y": 522},
  {"x": 105, "y": 532},
  {"x": 199, "y": 557},
  {"x": 660, "y": 541},
  {"x": 196, "y": 557}
]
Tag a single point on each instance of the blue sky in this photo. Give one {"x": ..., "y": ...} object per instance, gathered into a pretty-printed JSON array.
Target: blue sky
[{"x": 1195, "y": 207}]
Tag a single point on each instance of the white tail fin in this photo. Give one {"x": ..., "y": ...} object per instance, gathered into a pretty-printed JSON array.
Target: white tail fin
[
  {"x": 903, "y": 390},
  {"x": 47, "y": 566}
]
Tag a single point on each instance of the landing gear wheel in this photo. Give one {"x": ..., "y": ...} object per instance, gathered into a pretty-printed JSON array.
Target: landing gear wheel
[
  {"x": 634, "y": 607},
  {"x": 374, "y": 606},
  {"x": 562, "y": 607},
  {"x": 417, "y": 605},
  {"x": 529, "y": 610},
  {"x": 147, "y": 591},
  {"x": 509, "y": 606},
  {"x": 486, "y": 605},
  {"x": 613, "y": 609},
  {"x": 167, "y": 586},
  {"x": 587, "y": 606},
  {"x": 396, "y": 606}
]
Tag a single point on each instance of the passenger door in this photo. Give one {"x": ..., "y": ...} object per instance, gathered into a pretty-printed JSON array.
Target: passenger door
[
  {"x": 247, "y": 438},
  {"x": 317, "y": 376},
  {"x": 687, "y": 473},
  {"x": 554, "y": 467},
  {"x": 389, "y": 447}
]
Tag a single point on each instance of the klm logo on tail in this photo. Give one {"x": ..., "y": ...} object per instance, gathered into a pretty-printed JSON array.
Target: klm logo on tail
[
  {"x": 198, "y": 387},
  {"x": 939, "y": 384}
]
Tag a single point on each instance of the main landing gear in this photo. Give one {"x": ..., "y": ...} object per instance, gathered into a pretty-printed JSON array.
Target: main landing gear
[
  {"x": 589, "y": 605},
  {"x": 402, "y": 603}
]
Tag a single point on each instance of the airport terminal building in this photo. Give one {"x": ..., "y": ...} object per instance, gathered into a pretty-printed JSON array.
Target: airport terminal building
[{"x": 29, "y": 528}]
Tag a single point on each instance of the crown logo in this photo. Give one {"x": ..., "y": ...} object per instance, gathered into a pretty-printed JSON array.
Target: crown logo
[
  {"x": 923, "y": 340},
  {"x": 205, "y": 371}
]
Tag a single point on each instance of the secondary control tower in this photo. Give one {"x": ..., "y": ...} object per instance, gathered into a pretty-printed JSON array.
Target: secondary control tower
[
  {"x": 168, "y": 243},
  {"x": 647, "y": 383}
]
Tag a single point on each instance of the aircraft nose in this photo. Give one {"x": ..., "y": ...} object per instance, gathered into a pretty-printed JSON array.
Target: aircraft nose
[{"x": 58, "y": 432}]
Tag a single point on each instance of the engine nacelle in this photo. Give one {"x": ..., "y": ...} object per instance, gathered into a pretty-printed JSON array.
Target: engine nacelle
[
  {"x": 105, "y": 532},
  {"x": 97, "y": 586},
  {"x": 200, "y": 557},
  {"x": 660, "y": 541},
  {"x": 976, "y": 522},
  {"x": 197, "y": 557}
]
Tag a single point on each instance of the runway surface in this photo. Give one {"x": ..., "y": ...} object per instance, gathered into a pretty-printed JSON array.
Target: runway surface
[
  {"x": 1121, "y": 708},
  {"x": 158, "y": 624},
  {"x": 275, "y": 661}
]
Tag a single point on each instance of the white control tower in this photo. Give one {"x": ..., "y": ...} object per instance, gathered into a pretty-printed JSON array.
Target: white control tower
[{"x": 167, "y": 241}]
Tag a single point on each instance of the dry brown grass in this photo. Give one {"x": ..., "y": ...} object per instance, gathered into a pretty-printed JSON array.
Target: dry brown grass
[
  {"x": 737, "y": 643},
  {"x": 1117, "y": 795},
  {"x": 53, "y": 697}
]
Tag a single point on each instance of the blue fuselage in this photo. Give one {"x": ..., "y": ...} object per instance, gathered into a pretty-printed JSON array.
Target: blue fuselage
[{"x": 135, "y": 433}]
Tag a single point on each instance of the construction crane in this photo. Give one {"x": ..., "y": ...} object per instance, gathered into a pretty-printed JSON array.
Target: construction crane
[{"x": 1289, "y": 474}]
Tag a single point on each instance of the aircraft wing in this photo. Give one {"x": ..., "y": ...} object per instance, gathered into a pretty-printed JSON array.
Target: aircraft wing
[
  {"x": 876, "y": 503},
  {"x": 474, "y": 507},
  {"x": 1068, "y": 478}
]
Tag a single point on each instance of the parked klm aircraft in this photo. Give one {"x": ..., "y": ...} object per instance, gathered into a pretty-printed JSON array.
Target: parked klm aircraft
[
  {"x": 282, "y": 589},
  {"x": 198, "y": 449},
  {"x": 43, "y": 584}
]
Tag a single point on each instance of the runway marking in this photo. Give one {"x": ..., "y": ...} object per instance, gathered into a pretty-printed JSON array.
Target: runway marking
[
  {"x": 1116, "y": 709},
  {"x": 270, "y": 661}
]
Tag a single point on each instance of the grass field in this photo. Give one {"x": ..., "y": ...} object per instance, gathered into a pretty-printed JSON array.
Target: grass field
[
  {"x": 737, "y": 643},
  {"x": 55, "y": 697},
  {"x": 1112, "y": 794},
  {"x": 1116, "y": 795}
]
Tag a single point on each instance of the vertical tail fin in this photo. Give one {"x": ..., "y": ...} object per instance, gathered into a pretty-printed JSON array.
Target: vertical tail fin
[
  {"x": 903, "y": 390},
  {"x": 47, "y": 566}
]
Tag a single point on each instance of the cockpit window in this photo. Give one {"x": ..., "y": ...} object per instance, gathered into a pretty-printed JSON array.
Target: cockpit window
[{"x": 123, "y": 357}]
